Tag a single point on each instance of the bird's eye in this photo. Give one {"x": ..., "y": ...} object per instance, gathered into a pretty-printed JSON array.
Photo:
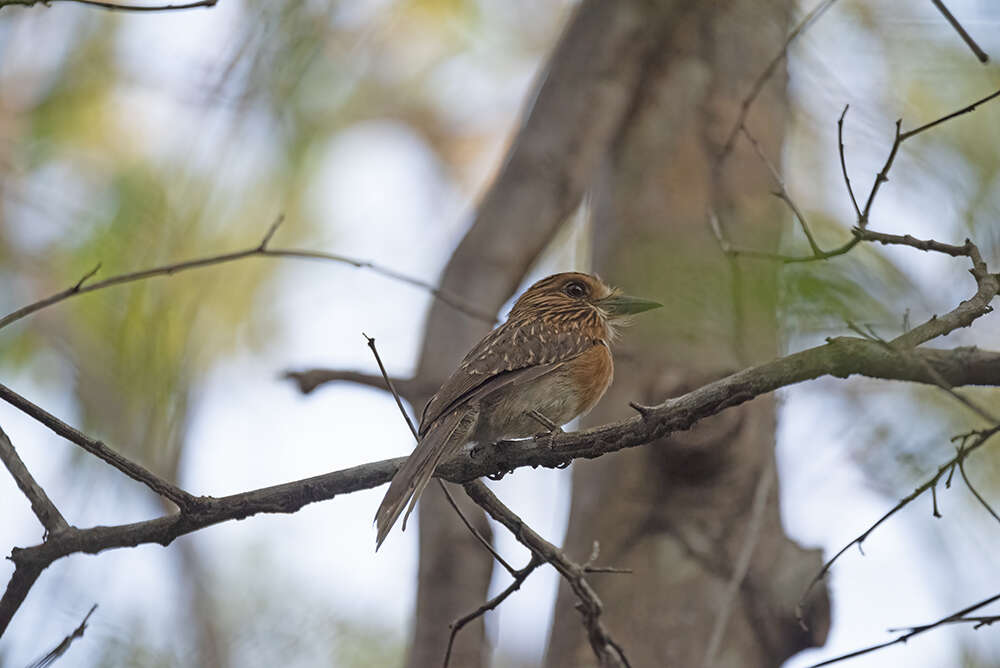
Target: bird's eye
[{"x": 576, "y": 290}]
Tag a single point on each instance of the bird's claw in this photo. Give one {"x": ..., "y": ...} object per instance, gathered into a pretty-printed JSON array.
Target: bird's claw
[{"x": 547, "y": 438}]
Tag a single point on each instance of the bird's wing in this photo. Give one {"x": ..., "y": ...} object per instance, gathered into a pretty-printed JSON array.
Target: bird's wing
[
  {"x": 508, "y": 355},
  {"x": 511, "y": 353}
]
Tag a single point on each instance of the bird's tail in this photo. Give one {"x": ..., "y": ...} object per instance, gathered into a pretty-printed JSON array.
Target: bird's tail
[{"x": 443, "y": 439}]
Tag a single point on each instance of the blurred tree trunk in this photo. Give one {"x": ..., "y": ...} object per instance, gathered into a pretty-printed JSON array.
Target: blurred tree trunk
[
  {"x": 586, "y": 92},
  {"x": 678, "y": 512}
]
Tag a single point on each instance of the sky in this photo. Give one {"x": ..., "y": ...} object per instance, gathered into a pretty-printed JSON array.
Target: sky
[{"x": 388, "y": 199}]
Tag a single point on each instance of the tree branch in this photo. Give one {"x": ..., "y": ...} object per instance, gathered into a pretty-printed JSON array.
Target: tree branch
[
  {"x": 309, "y": 379},
  {"x": 184, "y": 500},
  {"x": 114, "y": 7},
  {"x": 840, "y": 357},
  {"x": 863, "y": 215},
  {"x": 519, "y": 577},
  {"x": 955, "y": 617},
  {"x": 61, "y": 648},
  {"x": 607, "y": 651},
  {"x": 814, "y": 14},
  {"x": 41, "y": 504},
  {"x": 966, "y": 37},
  {"x": 260, "y": 250},
  {"x": 979, "y": 439}
]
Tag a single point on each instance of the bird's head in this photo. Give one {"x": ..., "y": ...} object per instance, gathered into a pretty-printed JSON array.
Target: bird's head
[{"x": 573, "y": 296}]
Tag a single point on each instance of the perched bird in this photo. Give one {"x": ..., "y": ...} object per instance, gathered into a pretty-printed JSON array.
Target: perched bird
[{"x": 547, "y": 364}]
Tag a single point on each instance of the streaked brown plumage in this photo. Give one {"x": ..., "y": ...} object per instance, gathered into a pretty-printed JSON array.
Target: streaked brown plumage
[{"x": 552, "y": 355}]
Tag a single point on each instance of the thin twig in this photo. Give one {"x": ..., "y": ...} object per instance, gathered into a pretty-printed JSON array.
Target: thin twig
[
  {"x": 979, "y": 439},
  {"x": 519, "y": 577},
  {"x": 41, "y": 504},
  {"x": 115, "y": 7},
  {"x": 444, "y": 488},
  {"x": 61, "y": 648},
  {"x": 392, "y": 388},
  {"x": 979, "y": 497},
  {"x": 308, "y": 380},
  {"x": 843, "y": 161},
  {"x": 966, "y": 37},
  {"x": 768, "y": 72},
  {"x": 259, "y": 250},
  {"x": 947, "y": 117},
  {"x": 475, "y": 532},
  {"x": 185, "y": 501},
  {"x": 955, "y": 617},
  {"x": 782, "y": 193},
  {"x": 863, "y": 214},
  {"x": 608, "y": 652}
]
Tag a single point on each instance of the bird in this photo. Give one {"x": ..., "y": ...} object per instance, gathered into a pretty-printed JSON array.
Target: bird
[{"x": 548, "y": 363}]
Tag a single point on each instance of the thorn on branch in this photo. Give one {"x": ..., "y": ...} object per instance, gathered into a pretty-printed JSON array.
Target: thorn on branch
[{"x": 643, "y": 411}]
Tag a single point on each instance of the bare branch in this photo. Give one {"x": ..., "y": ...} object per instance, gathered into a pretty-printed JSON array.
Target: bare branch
[
  {"x": 863, "y": 215},
  {"x": 608, "y": 652},
  {"x": 947, "y": 117},
  {"x": 392, "y": 388},
  {"x": 482, "y": 539},
  {"x": 309, "y": 379},
  {"x": 115, "y": 7},
  {"x": 987, "y": 284},
  {"x": 959, "y": 616},
  {"x": 932, "y": 373},
  {"x": 843, "y": 161},
  {"x": 61, "y": 648},
  {"x": 966, "y": 37},
  {"x": 184, "y": 500},
  {"x": 20, "y": 584},
  {"x": 979, "y": 497},
  {"x": 260, "y": 250},
  {"x": 444, "y": 488},
  {"x": 965, "y": 250},
  {"x": 840, "y": 357},
  {"x": 882, "y": 176},
  {"x": 519, "y": 577},
  {"x": 979, "y": 439},
  {"x": 41, "y": 505},
  {"x": 768, "y": 72},
  {"x": 782, "y": 193}
]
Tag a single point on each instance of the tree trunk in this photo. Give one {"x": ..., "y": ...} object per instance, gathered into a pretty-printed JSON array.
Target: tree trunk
[
  {"x": 681, "y": 511},
  {"x": 588, "y": 86}
]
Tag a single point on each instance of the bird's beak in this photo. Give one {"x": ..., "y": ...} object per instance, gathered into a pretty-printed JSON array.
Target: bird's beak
[{"x": 621, "y": 305}]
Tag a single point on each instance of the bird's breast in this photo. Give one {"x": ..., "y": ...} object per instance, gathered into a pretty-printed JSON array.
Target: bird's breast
[
  {"x": 567, "y": 392},
  {"x": 592, "y": 373}
]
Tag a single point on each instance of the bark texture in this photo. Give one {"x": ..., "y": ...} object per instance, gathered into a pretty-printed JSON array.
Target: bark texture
[{"x": 678, "y": 511}]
